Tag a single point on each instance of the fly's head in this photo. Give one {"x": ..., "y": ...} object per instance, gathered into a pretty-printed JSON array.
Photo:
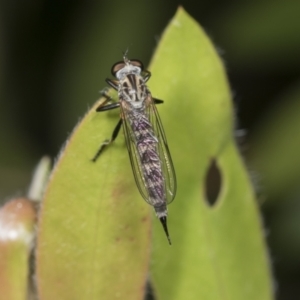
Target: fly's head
[
  {"x": 132, "y": 87},
  {"x": 123, "y": 68}
]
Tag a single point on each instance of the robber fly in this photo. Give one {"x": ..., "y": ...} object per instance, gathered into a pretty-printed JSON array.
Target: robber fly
[{"x": 144, "y": 134}]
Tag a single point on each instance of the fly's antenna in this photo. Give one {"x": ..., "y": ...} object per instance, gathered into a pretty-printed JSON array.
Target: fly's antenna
[{"x": 126, "y": 60}]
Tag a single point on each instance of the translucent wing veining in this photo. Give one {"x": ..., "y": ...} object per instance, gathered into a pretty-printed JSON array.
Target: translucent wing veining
[{"x": 149, "y": 153}]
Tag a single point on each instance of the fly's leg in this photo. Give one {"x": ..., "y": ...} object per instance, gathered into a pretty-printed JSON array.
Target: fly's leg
[
  {"x": 158, "y": 101},
  {"x": 113, "y": 83},
  {"x": 115, "y": 133},
  {"x": 108, "y": 142},
  {"x": 103, "y": 106},
  {"x": 146, "y": 75}
]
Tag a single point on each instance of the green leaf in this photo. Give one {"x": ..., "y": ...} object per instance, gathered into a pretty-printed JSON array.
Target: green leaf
[
  {"x": 94, "y": 237},
  {"x": 218, "y": 252},
  {"x": 94, "y": 229}
]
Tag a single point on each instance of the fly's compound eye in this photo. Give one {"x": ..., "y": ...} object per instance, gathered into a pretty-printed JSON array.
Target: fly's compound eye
[
  {"x": 117, "y": 67},
  {"x": 121, "y": 64}
]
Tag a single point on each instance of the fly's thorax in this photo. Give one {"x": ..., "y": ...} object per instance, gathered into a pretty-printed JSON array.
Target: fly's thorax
[{"x": 133, "y": 90}]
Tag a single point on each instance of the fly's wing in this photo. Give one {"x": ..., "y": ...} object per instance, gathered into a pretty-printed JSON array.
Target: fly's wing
[
  {"x": 163, "y": 150},
  {"x": 164, "y": 153},
  {"x": 133, "y": 152}
]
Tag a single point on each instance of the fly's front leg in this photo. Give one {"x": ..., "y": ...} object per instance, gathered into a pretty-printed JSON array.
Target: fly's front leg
[
  {"x": 103, "y": 106},
  {"x": 146, "y": 74},
  {"x": 108, "y": 142}
]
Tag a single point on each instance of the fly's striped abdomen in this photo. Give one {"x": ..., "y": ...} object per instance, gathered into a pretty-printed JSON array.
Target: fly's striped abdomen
[{"x": 147, "y": 148}]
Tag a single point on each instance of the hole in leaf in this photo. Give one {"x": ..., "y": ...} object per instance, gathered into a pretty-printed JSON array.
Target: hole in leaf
[{"x": 213, "y": 183}]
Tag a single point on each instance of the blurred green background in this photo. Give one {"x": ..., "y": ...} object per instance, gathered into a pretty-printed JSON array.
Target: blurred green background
[{"x": 55, "y": 55}]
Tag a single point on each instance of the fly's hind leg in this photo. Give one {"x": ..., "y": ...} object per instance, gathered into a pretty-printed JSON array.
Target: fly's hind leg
[{"x": 108, "y": 142}]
